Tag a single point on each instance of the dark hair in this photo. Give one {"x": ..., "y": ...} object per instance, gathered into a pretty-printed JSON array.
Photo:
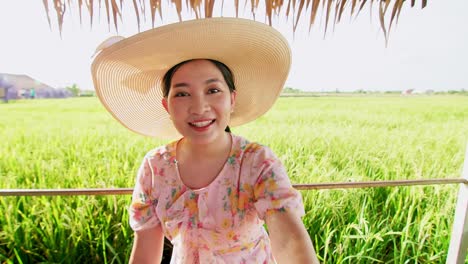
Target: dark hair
[{"x": 225, "y": 71}]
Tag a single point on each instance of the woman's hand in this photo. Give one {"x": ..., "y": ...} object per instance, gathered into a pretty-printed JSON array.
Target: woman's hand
[
  {"x": 289, "y": 239},
  {"x": 147, "y": 246}
]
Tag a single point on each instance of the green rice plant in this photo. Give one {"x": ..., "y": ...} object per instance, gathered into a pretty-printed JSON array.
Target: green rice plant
[{"x": 75, "y": 143}]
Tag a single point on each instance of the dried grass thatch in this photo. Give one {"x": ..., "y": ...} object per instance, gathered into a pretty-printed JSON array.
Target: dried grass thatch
[{"x": 204, "y": 8}]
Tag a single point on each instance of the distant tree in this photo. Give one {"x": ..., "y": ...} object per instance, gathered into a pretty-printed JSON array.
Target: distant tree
[
  {"x": 291, "y": 90},
  {"x": 74, "y": 90},
  {"x": 87, "y": 93}
]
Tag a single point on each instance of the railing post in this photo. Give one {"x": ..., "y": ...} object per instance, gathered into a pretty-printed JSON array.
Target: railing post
[{"x": 459, "y": 238}]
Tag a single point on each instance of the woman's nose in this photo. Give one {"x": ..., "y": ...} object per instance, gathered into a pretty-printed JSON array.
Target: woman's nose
[{"x": 199, "y": 105}]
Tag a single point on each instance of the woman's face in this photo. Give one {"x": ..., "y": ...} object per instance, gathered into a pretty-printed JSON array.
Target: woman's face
[{"x": 199, "y": 102}]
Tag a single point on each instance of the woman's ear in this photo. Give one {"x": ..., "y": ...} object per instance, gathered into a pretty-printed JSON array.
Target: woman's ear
[
  {"x": 233, "y": 100},
  {"x": 164, "y": 103}
]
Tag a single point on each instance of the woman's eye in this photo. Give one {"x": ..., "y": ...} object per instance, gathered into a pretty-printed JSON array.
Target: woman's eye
[
  {"x": 213, "y": 90},
  {"x": 180, "y": 94}
]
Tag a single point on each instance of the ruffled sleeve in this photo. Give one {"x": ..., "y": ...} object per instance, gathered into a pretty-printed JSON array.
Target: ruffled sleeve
[
  {"x": 145, "y": 196},
  {"x": 273, "y": 191}
]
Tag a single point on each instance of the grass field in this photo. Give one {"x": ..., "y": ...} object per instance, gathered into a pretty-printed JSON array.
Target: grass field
[{"x": 74, "y": 143}]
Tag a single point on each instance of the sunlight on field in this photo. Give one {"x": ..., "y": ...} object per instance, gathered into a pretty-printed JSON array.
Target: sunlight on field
[{"x": 75, "y": 143}]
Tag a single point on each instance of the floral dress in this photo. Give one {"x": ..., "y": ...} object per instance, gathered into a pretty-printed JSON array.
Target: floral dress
[{"x": 222, "y": 222}]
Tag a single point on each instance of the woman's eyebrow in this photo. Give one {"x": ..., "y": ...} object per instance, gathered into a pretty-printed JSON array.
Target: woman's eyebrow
[
  {"x": 212, "y": 80},
  {"x": 180, "y": 85},
  {"x": 185, "y": 85}
]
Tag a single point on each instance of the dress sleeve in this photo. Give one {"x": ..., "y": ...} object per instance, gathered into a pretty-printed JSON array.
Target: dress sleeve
[
  {"x": 142, "y": 210},
  {"x": 273, "y": 191}
]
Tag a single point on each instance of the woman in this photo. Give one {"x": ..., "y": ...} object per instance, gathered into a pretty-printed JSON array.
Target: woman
[{"x": 209, "y": 191}]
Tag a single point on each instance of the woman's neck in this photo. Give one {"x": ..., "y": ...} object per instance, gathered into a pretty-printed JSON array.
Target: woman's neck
[{"x": 186, "y": 148}]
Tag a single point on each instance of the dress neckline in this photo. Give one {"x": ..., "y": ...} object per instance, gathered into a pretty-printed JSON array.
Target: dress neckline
[{"x": 174, "y": 152}]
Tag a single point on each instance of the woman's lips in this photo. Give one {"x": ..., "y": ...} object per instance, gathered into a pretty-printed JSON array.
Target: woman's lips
[{"x": 202, "y": 125}]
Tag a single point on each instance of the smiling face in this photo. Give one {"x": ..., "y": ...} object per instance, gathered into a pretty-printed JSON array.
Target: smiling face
[{"x": 199, "y": 102}]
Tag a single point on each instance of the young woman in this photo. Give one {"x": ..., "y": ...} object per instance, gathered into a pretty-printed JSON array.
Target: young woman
[{"x": 208, "y": 191}]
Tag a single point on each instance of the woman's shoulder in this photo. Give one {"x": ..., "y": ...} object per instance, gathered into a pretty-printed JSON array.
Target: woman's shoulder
[
  {"x": 165, "y": 152},
  {"x": 251, "y": 148},
  {"x": 157, "y": 160}
]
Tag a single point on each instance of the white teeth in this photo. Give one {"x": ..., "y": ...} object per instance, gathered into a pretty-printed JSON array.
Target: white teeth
[{"x": 201, "y": 124}]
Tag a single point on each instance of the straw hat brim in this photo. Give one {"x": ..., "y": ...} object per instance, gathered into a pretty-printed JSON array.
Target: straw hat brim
[{"x": 128, "y": 75}]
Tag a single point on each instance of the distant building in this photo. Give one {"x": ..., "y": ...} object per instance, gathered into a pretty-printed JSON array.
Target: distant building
[
  {"x": 407, "y": 92},
  {"x": 20, "y": 86},
  {"x": 430, "y": 91},
  {"x": 414, "y": 91}
]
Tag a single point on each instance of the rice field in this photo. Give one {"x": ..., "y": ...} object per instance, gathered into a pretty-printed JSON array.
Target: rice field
[{"x": 75, "y": 143}]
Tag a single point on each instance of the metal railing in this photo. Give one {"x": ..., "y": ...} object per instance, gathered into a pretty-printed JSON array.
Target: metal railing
[{"x": 314, "y": 186}]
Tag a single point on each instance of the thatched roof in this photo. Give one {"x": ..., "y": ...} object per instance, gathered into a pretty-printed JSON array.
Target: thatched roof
[{"x": 334, "y": 9}]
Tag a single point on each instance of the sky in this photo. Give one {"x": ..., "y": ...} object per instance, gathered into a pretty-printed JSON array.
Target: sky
[{"x": 427, "y": 49}]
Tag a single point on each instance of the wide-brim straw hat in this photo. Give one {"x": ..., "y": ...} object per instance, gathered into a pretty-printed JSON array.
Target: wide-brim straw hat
[{"x": 128, "y": 74}]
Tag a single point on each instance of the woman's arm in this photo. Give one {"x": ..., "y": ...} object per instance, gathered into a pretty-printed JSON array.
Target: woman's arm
[
  {"x": 289, "y": 239},
  {"x": 147, "y": 246}
]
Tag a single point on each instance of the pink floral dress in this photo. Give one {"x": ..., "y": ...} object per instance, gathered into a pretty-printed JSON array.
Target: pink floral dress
[{"x": 222, "y": 222}]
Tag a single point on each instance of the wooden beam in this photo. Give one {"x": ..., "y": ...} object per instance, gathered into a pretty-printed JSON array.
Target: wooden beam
[{"x": 459, "y": 238}]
